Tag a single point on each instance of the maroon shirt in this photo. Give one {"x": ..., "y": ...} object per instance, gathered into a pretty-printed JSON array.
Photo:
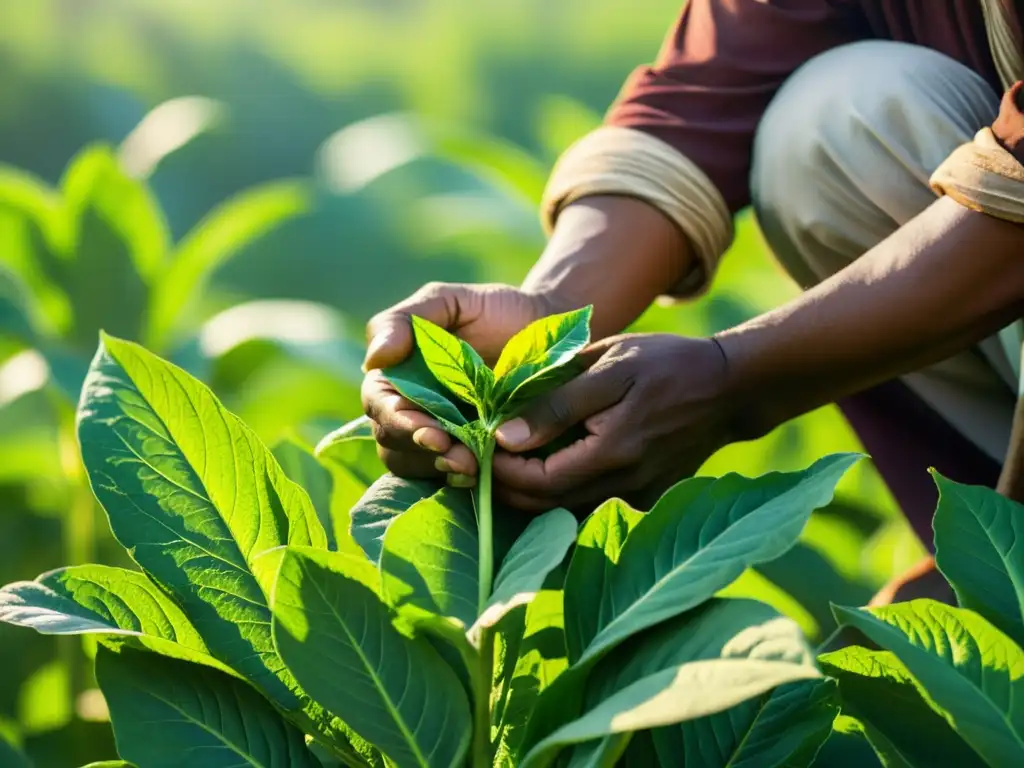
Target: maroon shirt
[
  {"x": 717, "y": 71},
  {"x": 724, "y": 60}
]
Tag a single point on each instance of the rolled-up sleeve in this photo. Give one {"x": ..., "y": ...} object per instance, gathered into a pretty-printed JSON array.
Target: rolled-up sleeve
[
  {"x": 987, "y": 174},
  {"x": 681, "y": 132}
]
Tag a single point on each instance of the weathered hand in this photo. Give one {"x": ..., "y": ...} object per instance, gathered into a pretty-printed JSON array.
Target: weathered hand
[
  {"x": 410, "y": 442},
  {"x": 653, "y": 408}
]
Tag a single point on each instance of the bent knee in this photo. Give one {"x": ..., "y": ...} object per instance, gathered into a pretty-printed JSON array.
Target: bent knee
[{"x": 850, "y": 140}]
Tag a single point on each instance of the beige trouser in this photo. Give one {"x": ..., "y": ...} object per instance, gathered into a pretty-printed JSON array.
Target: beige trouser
[{"x": 842, "y": 159}]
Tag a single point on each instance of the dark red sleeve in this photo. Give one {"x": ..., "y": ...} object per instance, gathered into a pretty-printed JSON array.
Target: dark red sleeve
[
  {"x": 1009, "y": 126},
  {"x": 718, "y": 69}
]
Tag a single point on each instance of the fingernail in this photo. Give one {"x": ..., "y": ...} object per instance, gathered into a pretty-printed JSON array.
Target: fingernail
[
  {"x": 514, "y": 432},
  {"x": 427, "y": 439},
  {"x": 461, "y": 481},
  {"x": 441, "y": 464},
  {"x": 377, "y": 343}
]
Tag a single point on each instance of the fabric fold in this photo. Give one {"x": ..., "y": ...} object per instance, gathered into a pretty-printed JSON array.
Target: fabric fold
[
  {"x": 984, "y": 176},
  {"x": 613, "y": 160}
]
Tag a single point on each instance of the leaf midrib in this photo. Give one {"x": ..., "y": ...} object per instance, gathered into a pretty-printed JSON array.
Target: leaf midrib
[
  {"x": 1003, "y": 557},
  {"x": 399, "y": 720}
]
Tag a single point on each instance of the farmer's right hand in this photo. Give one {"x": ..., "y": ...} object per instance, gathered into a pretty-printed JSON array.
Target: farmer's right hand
[{"x": 410, "y": 442}]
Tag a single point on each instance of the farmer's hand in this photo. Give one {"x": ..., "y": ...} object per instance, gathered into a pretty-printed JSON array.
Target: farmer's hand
[
  {"x": 410, "y": 442},
  {"x": 653, "y": 407}
]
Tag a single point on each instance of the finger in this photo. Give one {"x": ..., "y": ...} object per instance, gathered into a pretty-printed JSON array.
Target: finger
[
  {"x": 389, "y": 333},
  {"x": 460, "y": 481},
  {"x": 413, "y": 465},
  {"x": 545, "y": 419},
  {"x": 458, "y": 460},
  {"x": 580, "y": 500},
  {"x": 397, "y": 422},
  {"x": 584, "y": 461}
]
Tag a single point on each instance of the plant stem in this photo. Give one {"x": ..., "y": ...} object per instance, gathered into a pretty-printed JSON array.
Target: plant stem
[
  {"x": 485, "y": 528},
  {"x": 482, "y": 757}
]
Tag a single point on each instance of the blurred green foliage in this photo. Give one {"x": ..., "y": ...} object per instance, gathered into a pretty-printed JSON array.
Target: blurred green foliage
[{"x": 329, "y": 158}]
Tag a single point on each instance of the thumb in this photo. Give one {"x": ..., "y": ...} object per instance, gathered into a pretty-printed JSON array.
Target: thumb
[
  {"x": 389, "y": 333},
  {"x": 551, "y": 415}
]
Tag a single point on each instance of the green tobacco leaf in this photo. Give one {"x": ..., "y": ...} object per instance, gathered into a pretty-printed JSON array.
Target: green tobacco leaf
[
  {"x": 195, "y": 497},
  {"x": 539, "y": 550},
  {"x": 394, "y": 691},
  {"x": 783, "y": 728},
  {"x": 454, "y": 363},
  {"x": 537, "y": 358},
  {"x": 351, "y": 454},
  {"x": 600, "y": 753},
  {"x": 123, "y": 605},
  {"x": 119, "y": 244},
  {"x": 877, "y": 689},
  {"x": 587, "y": 594},
  {"x": 302, "y": 468},
  {"x": 701, "y": 535},
  {"x": 429, "y": 559},
  {"x": 383, "y": 502},
  {"x": 477, "y": 438},
  {"x": 169, "y": 713},
  {"x": 753, "y": 586},
  {"x": 357, "y": 429},
  {"x": 109, "y": 764},
  {"x": 695, "y": 666},
  {"x": 529, "y": 656},
  {"x": 224, "y": 232},
  {"x": 976, "y": 534},
  {"x": 972, "y": 673},
  {"x": 414, "y": 381}
]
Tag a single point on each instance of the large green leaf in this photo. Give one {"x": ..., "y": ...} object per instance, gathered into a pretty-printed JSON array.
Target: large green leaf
[
  {"x": 783, "y": 728},
  {"x": 118, "y": 245},
  {"x": 383, "y": 502},
  {"x": 529, "y": 656},
  {"x": 537, "y": 552},
  {"x": 224, "y": 232},
  {"x": 972, "y": 673},
  {"x": 169, "y": 713},
  {"x": 587, "y": 592},
  {"x": 976, "y": 534},
  {"x": 701, "y": 535},
  {"x": 697, "y": 665},
  {"x": 302, "y": 468},
  {"x": 429, "y": 559},
  {"x": 454, "y": 363},
  {"x": 195, "y": 498},
  {"x": 537, "y": 358},
  {"x": 876, "y": 688},
  {"x": 415, "y": 381},
  {"x": 392, "y": 690},
  {"x": 123, "y": 605}
]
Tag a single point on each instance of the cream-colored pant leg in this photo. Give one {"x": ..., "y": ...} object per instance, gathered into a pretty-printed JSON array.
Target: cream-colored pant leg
[{"x": 842, "y": 159}]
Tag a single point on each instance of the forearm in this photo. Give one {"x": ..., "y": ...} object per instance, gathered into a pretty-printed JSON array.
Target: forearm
[
  {"x": 944, "y": 281},
  {"x": 617, "y": 253}
]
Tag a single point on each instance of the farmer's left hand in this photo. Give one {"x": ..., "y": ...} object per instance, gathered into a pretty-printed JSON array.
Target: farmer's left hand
[{"x": 652, "y": 406}]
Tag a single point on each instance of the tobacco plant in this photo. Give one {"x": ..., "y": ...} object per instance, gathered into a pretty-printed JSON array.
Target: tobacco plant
[
  {"x": 267, "y": 627},
  {"x": 944, "y": 685}
]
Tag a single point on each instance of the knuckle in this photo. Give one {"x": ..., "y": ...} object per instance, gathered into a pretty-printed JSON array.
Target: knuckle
[{"x": 433, "y": 289}]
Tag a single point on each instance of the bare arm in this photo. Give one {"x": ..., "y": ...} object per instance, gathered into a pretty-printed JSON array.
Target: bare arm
[
  {"x": 946, "y": 280},
  {"x": 616, "y": 253}
]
